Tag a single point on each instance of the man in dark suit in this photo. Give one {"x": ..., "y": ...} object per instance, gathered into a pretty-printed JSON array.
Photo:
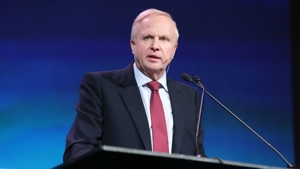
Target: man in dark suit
[{"x": 116, "y": 108}]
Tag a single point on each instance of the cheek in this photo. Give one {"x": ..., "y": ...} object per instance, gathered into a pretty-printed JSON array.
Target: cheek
[
  {"x": 140, "y": 48},
  {"x": 171, "y": 52}
]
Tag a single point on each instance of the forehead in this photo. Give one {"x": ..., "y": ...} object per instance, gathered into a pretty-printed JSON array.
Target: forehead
[{"x": 159, "y": 24}]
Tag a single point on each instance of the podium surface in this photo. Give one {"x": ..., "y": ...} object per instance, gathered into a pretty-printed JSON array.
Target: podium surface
[{"x": 116, "y": 157}]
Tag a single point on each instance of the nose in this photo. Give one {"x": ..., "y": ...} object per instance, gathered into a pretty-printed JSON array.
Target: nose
[{"x": 155, "y": 44}]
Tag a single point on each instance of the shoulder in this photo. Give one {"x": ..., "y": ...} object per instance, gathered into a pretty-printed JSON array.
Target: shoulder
[
  {"x": 122, "y": 76},
  {"x": 188, "y": 93},
  {"x": 103, "y": 74},
  {"x": 112, "y": 76},
  {"x": 181, "y": 85}
]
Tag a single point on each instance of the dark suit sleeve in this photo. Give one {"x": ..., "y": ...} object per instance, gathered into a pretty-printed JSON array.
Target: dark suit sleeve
[{"x": 86, "y": 131}]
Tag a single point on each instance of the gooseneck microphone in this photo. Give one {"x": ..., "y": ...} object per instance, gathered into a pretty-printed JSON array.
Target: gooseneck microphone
[
  {"x": 196, "y": 80},
  {"x": 187, "y": 77}
]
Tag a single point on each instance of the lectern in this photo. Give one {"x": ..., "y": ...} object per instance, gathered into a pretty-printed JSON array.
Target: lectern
[{"x": 116, "y": 157}]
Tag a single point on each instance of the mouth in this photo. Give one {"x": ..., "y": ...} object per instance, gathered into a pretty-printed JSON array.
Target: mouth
[{"x": 153, "y": 57}]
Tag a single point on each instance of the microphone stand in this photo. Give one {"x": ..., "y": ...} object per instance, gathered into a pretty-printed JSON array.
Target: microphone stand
[
  {"x": 199, "y": 121},
  {"x": 199, "y": 84}
]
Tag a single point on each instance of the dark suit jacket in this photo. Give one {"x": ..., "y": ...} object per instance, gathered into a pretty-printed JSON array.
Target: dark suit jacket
[{"x": 111, "y": 112}]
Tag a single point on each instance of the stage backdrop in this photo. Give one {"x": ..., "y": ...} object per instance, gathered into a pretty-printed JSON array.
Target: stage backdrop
[{"x": 239, "y": 48}]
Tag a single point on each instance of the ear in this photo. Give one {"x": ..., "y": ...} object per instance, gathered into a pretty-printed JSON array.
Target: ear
[
  {"x": 175, "y": 47},
  {"x": 132, "y": 45}
]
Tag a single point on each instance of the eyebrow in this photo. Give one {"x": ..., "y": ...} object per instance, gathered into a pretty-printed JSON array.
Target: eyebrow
[{"x": 159, "y": 36}]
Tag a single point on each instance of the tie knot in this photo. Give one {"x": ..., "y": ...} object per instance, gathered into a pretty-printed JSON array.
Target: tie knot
[{"x": 154, "y": 85}]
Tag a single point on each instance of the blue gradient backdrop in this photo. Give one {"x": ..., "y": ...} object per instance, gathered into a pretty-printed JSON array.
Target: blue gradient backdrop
[{"x": 239, "y": 48}]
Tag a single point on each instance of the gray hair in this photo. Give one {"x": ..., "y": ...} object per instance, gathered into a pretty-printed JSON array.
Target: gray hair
[{"x": 147, "y": 13}]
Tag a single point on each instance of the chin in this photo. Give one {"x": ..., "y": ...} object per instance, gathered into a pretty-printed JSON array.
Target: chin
[{"x": 154, "y": 67}]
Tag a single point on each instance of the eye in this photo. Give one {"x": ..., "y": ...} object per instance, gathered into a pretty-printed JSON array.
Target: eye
[
  {"x": 147, "y": 37},
  {"x": 164, "y": 39}
]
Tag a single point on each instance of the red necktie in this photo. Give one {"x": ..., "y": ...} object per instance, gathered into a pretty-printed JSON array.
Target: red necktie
[{"x": 159, "y": 127}]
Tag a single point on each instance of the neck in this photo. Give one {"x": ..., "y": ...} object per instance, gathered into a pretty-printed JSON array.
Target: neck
[{"x": 154, "y": 75}]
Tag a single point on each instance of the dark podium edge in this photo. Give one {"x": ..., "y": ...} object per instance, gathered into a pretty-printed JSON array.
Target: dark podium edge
[{"x": 117, "y": 157}]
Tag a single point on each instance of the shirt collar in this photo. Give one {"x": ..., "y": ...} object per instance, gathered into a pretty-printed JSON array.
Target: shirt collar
[{"x": 142, "y": 79}]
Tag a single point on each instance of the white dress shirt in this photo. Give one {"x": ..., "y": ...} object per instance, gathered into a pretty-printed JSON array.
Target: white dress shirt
[{"x": 145, "y": 92}]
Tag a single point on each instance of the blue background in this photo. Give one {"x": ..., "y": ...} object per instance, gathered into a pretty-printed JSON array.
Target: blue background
[{"x": 240, "y": 49}]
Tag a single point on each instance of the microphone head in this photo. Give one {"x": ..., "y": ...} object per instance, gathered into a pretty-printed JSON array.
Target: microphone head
[
  {"x": 197, "y": 78},
  {"x": 186, "y": 77}
]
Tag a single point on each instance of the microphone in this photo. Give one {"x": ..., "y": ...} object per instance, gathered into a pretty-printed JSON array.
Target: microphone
[
  {"x": 186, "y": 77},
  {"x": 189, "y": 79},
  {"x": 196, "y": 80}
]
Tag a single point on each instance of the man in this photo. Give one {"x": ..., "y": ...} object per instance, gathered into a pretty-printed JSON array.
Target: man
[{"x": 120, "y": 108}]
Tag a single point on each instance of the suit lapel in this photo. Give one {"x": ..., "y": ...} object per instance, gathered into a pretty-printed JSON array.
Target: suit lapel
[
  {"x": 133, "y": 101},
  {"x": 178, "y": 115}
]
